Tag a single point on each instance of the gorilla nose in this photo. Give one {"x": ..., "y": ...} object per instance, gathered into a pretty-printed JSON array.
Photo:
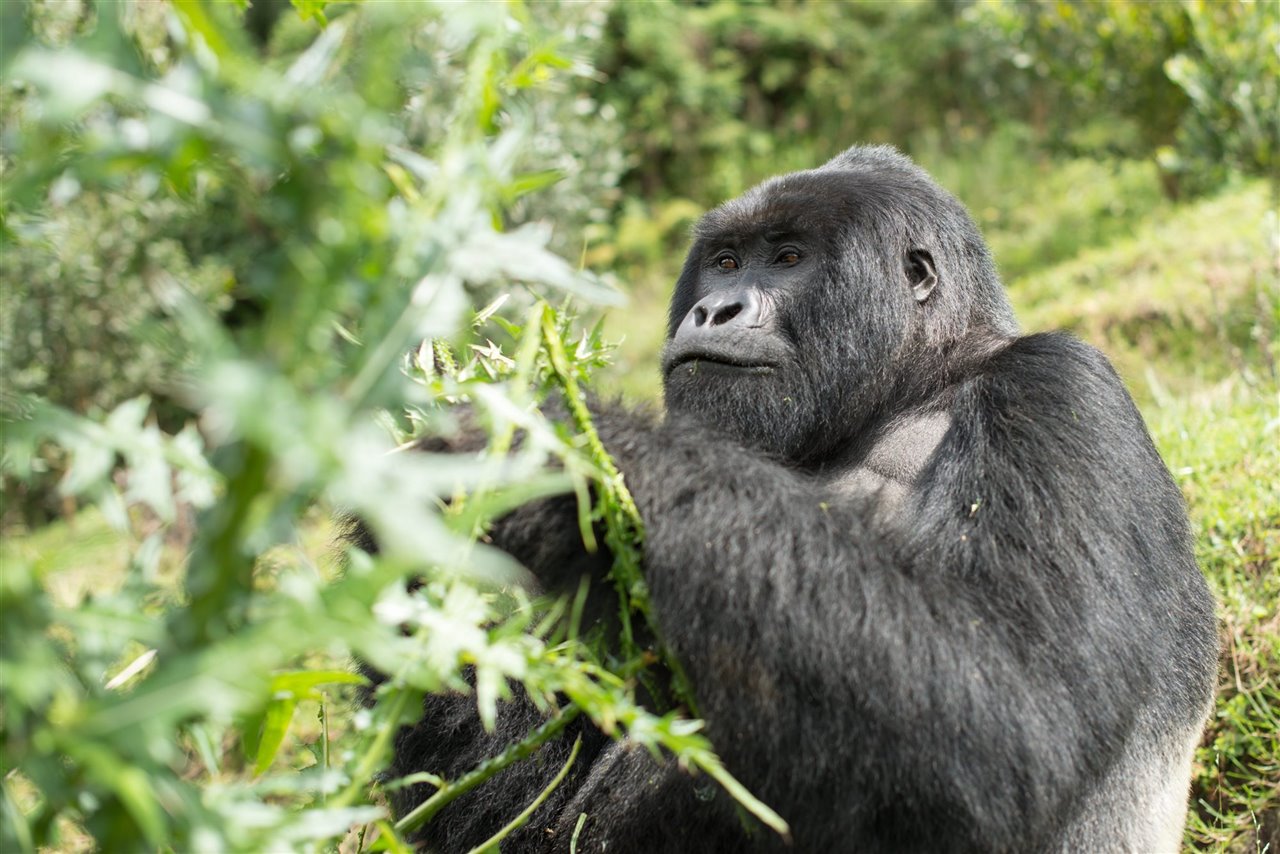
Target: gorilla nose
[
  {"x": 736, "y": 327},
  {"x": 740, "y": 308}
]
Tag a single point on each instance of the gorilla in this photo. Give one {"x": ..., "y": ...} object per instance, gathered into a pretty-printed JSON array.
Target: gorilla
[{"x": 932, "y": 584}]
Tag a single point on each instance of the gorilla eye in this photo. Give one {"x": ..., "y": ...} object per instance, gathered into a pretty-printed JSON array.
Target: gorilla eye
[
  {"x": 727, "y": 262},
  {"x": 788, "y": 257}
]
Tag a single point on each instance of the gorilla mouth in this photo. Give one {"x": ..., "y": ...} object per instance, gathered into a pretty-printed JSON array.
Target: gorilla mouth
[
  {"x": 745, "y": 356},
  {"x": 693, "y": 360}
]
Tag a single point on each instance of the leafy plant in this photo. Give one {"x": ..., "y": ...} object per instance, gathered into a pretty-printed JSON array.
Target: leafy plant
[
  {"x": 153, "y": 713},
  {"x": 1232, "y": 78}
]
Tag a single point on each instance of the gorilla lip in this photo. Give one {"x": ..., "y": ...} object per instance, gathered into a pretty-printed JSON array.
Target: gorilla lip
[
  {"x": 718, "y": 361},
  {"x": 752, "y": 358}
]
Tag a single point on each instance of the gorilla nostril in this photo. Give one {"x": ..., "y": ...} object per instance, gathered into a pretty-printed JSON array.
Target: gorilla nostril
[
  {"x": 722, "y": 313},
  {"x": 726, "y": 313}
]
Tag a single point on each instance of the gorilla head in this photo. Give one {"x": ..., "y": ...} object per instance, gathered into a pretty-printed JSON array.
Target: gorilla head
[{"x": 816, "y": 299}]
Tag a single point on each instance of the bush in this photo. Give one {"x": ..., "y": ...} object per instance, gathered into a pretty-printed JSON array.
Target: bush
[
  {"x": 150, "y": 712},
  {"x": 722, "y": 94},
  {"x": 1232, "y": 77}
]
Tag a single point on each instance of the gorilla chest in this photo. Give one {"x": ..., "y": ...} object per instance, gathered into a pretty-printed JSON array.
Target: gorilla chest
[{"x": 885, "y": 467}]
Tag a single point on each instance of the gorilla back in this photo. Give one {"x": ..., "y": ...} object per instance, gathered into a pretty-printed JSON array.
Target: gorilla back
[{"x": 932, "y": 583}]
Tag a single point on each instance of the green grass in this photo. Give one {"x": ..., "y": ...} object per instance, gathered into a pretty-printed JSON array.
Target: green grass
[
  {"x": 1188, "y": 300},
  {"x": 1036, "y": 213},
  {"x": 1222, "y": 448}
]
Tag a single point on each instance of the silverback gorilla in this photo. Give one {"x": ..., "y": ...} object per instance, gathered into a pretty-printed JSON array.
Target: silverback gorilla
[{"x": 930, "y": 579}]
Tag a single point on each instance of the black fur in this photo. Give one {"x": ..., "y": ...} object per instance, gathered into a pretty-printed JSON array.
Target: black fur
[{"x": 931, "y": 580}]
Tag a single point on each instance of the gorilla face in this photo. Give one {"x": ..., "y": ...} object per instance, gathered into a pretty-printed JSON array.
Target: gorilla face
[
  {"x": 787, "y": 327},
  {"x": 734, "y": 359}
]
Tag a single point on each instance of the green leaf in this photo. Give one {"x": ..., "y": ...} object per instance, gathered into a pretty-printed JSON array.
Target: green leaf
[
  {"x": 300, "y": 683},
  {"x": 531, "y": 182},
  {"x": 388, "y": 840},
  {"x": 130, "y": 784},
  {"x": 490, "y": 504},
  {"x": 69, "y": 81},
  {"x": 287, "y": 689},
  {"x": 91, "y": 462},
  {"x": 318, "y": 61},
  {"x": 312, "y": 10},
  {"x": 275, "y": 724},
  {"x": 196, "y": 19}
]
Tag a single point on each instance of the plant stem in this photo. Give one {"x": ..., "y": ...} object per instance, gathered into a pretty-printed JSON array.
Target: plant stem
[
  {"x": 491, "y": 843},
  {"x": 577, "y": 831},
  {"x": 449, "y": 792},
  {"x": 623, "y": 543},
  {"x": 624, "y": 529},
  {"x": 369, "y": 762}
]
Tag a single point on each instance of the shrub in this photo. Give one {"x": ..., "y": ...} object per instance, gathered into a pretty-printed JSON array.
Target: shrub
[{"x": 150, "y": 712}]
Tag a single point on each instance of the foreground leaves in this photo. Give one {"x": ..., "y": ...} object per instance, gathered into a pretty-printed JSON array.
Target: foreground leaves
[{"x": 169, "y": 708}]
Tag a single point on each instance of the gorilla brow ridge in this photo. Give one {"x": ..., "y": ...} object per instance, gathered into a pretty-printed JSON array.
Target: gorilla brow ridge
[{"x": 771, "y": 215}]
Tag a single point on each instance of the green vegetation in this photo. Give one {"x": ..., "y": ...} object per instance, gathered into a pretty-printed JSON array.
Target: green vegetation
[{"x": 228, "y": 231}]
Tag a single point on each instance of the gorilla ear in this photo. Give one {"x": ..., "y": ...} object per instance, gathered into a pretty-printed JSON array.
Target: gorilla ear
[{"x": 921, "y": 275}]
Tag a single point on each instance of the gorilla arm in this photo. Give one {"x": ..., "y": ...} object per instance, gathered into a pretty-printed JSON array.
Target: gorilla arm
[{"x": 924, "y": 672}]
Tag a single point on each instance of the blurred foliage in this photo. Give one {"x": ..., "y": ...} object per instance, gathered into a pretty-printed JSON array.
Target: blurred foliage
[
  {"x": 84, "y": 323},
  {"x": 725, "y": 93},
  {"x": 225, "y": 225},
  {"x": 85, "y": 327},
  {"x": 1089, "y": 76},
  {"x": 1233, "y": 81},
  {"x": 295, "y": 228}
]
